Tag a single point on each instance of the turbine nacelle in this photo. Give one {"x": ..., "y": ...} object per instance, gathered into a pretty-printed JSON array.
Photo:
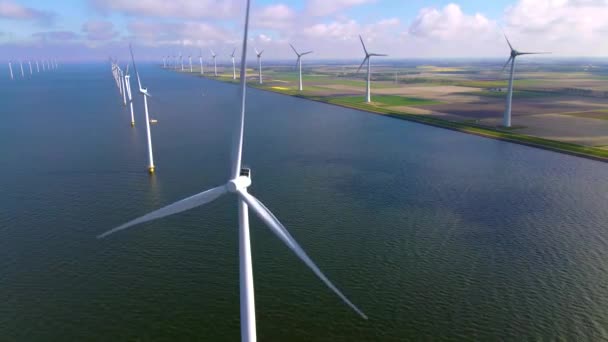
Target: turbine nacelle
[{"x": 238, "y": 184}]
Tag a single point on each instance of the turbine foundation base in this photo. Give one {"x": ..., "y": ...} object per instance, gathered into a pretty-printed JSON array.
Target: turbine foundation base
[{"x": 151, "y": 169}]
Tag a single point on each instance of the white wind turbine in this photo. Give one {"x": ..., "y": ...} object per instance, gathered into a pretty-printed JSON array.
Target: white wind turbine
[
  {"x": 37, "y": 67},
  {"x": 299, "y": 63},
  {"x": 368, "y": 59},
  {"x": 30, "y": 63},
  {"x": 239, "y": 182},
  {"x": 506, "y": 120},
  {"x": 10, "y": 69},
  {"x": 190, "y": 60},
  {"x": 200, "y": 59},
  {"x": 259, "y": 54},
  {"x": 213, "y": 55},
  {"x": 181, "y": 60},
  {"x": 21, "y": 65},
  {"x": 145, "y": 94},
  {"x": 43, "y": 65},
  {"x": 164, "y": 62},
  {"x": 124, "y": 87},
  {"x": 233, "y": 65},
  {"x": 128, "y": 87}
]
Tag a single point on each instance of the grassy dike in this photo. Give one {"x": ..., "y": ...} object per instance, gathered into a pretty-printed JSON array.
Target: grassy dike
[{"x": 470, "y": 128}]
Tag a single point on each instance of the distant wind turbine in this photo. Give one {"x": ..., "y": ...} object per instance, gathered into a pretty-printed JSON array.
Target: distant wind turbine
[
  {"x": 181, "y": 60},
  {"x": 30, "y": 63},
  {"x": 259, "y": 54},
  {"x": 299, "y": 63},
  {"x": 233, "y": 65},
  {"x": 368, "y": 59},
  {"x": 43, "y": 65},
  {"x": 37, "y": 67},
  {"x": 123, "y": 80},
  {"x": 200, "y": 59},
  {"x": 213, "y": 55},
  {"x": 164, "y": 62},
  {"x": 128, "y": 86},
  {"x": 10, "y": 69},
  {"x": 240, "y": 181},
  {"x": 144, "y": 92},
  {"x": 506, "y": 120},
  {"x": 190, "y": 60},
  {"x": 21, "y": 65}
]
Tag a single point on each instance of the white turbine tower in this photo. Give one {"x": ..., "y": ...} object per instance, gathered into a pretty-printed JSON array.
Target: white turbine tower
[
  {"x": 37, "y": 67},
  {"x": 299, "y": 63},
  {"x": 145, "y": 94},
  {"x": 190, "y": 60},
  {"x": 368, "y": 59},
  {"x": 233, "y": 65},
  {"x": 213, "y": 55},
  {"x": 21, "y": 65},
  {"x": 200, "y": 59},
  {"x": 10, "y": 69},
  {"x": 181, "y": 60},
  {"x": 259, "y": 54},
  {"x": 240, "y": 180},
  {"x": 43, "y": 65},
  {"x": 506, "y": 120},
  {"x": 164, "y": 62},
  {"x": 30, "y": 63},
  {"x": 124, "y": 87},
  {"x": 128, "y": 86}
]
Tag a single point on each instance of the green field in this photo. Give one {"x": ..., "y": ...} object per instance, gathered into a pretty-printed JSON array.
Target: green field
[{"x": 382, "y": 100}]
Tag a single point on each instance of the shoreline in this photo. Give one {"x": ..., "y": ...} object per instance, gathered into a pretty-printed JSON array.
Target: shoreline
[{"x": 575, "y": 150}]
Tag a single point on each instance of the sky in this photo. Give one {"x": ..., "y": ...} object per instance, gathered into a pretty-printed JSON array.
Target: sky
[{"x": 79, "y": 30}]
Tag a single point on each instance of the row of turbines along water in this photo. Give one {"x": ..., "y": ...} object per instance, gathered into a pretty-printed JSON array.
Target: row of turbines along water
[
  {"x": 34, "y": 66},
  {"x": 177, "y": 62}
]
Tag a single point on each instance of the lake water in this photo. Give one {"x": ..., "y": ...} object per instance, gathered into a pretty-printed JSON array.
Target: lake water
[{"x": 432, "y": 233}]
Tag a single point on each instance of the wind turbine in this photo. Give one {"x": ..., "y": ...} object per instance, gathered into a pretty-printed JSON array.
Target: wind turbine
[
  {"x": 190, "y": 60},
  {"x": 240, "y": 180},
  {"x": 181, "y": 60},
  {"x": 368, "y": 58},
  {"x": 299, "y": 62},
  {"x": 128, "y": 86},
  {"x": 145, "y": 94},
  {"x": 43, "y": 66},
  {"x": 10, "y": 69},
  {"x": 506, "y": 120},
  {"x": 164, "y": 62},
  {"x": 21, "y": 65},
  {"x": 233, "y": 65},
  {"x": 200, "y": 59},
  {"x": 30, "y": 63},
  {"x": 124, "y": 87},
  {"x": 259, "y": 54},
  {"x": 37, "y": 67},
  {"x": 214, "y": 64}
]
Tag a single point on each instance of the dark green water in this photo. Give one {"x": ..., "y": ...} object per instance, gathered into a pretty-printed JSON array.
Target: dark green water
[{"x": 433, "y": 233}]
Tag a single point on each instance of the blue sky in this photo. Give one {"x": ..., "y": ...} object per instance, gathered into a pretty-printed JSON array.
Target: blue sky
[{"x": 94, "y": 29}]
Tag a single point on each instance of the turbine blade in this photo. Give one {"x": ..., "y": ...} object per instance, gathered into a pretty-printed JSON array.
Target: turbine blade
[
  {"x": 294, "y": 49},
  {"x": 237, "y": 145},
  {"x": 177, "y": 207},
  {"x": 508, "y": 61},
  {"x": 297, "y": 62},
  {"x": 135, "y": 66},
  {"x": 362, "y": 43},
  {"x": 261, "y": 52},
  {"x": 377, "y": 55},
  {"x": 279, "y": 230},
  {"x": 361, "y": 66},
  {"x": 508, "y": 42},
  {"x": 306, "y": 53},
  {"x": 233, "y": 51},
  {"x": 534, "y": 53}
]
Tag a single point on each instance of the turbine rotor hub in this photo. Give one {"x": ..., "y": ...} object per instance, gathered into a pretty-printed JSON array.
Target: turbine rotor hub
[{"x": 239, "y": 183}]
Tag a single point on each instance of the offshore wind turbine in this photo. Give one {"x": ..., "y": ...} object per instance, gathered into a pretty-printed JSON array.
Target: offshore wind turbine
[
  {"x": 128, "y": 86},
  {"x": 30, "y": 63},
  {"x": 190, "y": 60},
  {"x": 299, "y": 63},
  {"x": 233, "y": 65},
  {"x": 10, "y": 69},
  {"x": 506, "y": 120},
  {"x": 21, "y": 65},
  {"x": 259, "y": 54},
  {"x": 240, "y": 180},
  {"x": 213, "y": 55},
  {"x": 37, "y": 67},
  {"x": 43, "y": 66},
  {"x": 181, "y": 60},
  {"x": 200, "y": 59},
  {"x": 145, "y": 94},
  {"x": 124, "y": 87},
  {"x": 368, "y": 59},
  {"x": 164, "y": 62}
]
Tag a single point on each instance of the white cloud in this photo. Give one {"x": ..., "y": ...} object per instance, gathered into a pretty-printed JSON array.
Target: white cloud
[
  {"x": 278, "y": 16},
  {"x": 99, "y": 30},
  {"x": 12, "y": 10},
  {"x": 172, "y": 8},
  {"x": 328, "y": 7},
  {"x": 450, "y": 23}
]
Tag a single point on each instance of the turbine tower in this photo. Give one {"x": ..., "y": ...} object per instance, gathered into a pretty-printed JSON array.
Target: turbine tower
[
  {"x": 259, "y": 54},
  {"x": 144, "y": 92},
  {"x": 240, "y": 180},
  {"x": 43, "y": 66},
  {"x": 181, "y": 60},
  {"x": 233, "y": 65},
  {"x": 128, "y": 86},
  {"x": 200, "y": 59},
  {"x": 10, "y": 69},
  {"x": 124, "y": 87},
  {"x": 213, "y": 55},
  {"x": 368, "y": 59},
  {"x": 164, "y": 62},
  {"x": 22, "y": 73},
  {"x": 37, "y": 67},
  {"x": 190, "y": 60},
  {"x": 299, "y": 63},
  {"x": 30, "y": 63},
  {"x": 506, "y": 120}
]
